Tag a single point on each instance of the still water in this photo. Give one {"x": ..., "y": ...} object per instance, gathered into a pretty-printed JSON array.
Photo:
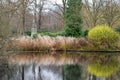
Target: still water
[{"x": 60, "y": 66}]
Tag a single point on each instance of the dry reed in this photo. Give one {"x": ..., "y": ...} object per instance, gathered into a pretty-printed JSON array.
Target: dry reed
[{"x": 49, "y": 43}]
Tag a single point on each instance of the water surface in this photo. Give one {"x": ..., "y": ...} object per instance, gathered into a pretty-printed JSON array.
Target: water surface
[{"x": 60, "y": 66}]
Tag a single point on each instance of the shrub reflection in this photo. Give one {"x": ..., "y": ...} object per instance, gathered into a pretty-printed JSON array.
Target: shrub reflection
[{"x": 103, "y": 65}]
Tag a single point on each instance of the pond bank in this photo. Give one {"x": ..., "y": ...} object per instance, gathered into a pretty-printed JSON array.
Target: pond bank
[
  {"x": 76, "y": 51},
  {"x": 47, "y": 43}
]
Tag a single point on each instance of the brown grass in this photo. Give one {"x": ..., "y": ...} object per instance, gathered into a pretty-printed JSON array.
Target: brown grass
[{"x": 50, "y": 43}]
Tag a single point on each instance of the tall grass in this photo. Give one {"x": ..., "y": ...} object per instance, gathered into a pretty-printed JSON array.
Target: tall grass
[{"x": 49, "y": 43}]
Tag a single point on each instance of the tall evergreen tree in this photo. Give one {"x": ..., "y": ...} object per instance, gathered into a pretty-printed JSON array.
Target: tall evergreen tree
[{"x": 73, "y": 19}]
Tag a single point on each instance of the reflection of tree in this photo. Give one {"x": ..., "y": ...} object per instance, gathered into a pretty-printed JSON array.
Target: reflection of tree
[
  {"x": 72, "y": 72},
  {"x": 103, "y": 65}
]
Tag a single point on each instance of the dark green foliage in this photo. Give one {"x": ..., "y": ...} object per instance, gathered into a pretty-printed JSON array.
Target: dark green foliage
[
  {"x": 52, "y": 34},
  {"x": 28, "y": 33},
  {"x": 73, "y": 31},
  {"x": 85, "y": 33},
  {"x": 117, "y": 29},
  {"x": 72, "y": 72},
  {"x": 34, "y": 36},
  {"x": 73, "y": 20}
]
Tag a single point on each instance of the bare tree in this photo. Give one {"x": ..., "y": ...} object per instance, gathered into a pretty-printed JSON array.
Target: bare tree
[
  {"x": 35, "y": 11},
  {"x": 60, "y": 10},
  {"x": 24, "y": 6},
  {"x": 101, "y": 12},
  {"x": 40, "y": 8},
  {"x": 92, "y": 12},
  {"x": 38, "y": 11},
  {"x": 7, "y": 10},
  {"x": 111, "y": 13}
]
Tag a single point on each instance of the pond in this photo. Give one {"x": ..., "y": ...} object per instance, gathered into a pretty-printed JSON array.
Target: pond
[{"x": 60, "y": 66}]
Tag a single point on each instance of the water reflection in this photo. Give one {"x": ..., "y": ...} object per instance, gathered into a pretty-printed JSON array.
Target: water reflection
[
  {"x": 57, "y": 66},
  {"x": 47, "y": 58},
  {"x": 103, "y": 65}
]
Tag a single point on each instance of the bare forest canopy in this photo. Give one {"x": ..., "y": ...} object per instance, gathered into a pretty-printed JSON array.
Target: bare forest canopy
[{"x": 18, "y": 15}]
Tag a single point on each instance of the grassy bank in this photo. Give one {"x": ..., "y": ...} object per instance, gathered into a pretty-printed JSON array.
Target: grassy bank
[
  {"x": 50, "y": 43},
  {"x": 101, "y": 37},
  {"x": 46, "y": 43}
]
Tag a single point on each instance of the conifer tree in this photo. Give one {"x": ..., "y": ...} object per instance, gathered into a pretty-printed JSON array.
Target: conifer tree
[{"x": 73, "y": 19}]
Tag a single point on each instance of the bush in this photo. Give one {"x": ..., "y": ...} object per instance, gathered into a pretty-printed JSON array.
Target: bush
[
  {"x": 103, "y": 35},
  {"x": 75, "y": 31},
  {"x": 28, "y": 33},
  {"x": 85, "y": 33},
  {"x": 52, "y": 34},
  {"x": 117, "y": 29},
  {"x": 34, "y": 36}
]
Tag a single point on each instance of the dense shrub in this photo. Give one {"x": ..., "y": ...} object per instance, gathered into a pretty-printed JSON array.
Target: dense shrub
[
  {"x": 34, "y": 36},
  {"x": 52, "y": 34},
  {"x": 85, "y": 33},
  {"x": 28, "y": 33},
  {"x": 75, "y": 31},
  {"x": 103, "y": 35},
  {"x": 117, "y": 29}
]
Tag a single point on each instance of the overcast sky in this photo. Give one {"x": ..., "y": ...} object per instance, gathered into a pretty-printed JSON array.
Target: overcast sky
[{"x": 58, "y": 1}]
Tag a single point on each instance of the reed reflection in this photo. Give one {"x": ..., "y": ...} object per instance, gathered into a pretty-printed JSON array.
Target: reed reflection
[
  {"x": 45, "y": 58},
  {"x": 100, "y": 66}
]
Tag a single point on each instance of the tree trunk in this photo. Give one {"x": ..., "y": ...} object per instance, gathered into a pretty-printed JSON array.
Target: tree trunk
[
  {"x": 22, "y": 72},
  {"x": 40, "y": 77},
  {"x": 23, "y": 16}
]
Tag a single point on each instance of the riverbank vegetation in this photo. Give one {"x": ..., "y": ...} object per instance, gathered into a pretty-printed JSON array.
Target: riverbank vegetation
[
  {"x": 70, "y": 25},
  {"x": 101, "y": 37}
]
